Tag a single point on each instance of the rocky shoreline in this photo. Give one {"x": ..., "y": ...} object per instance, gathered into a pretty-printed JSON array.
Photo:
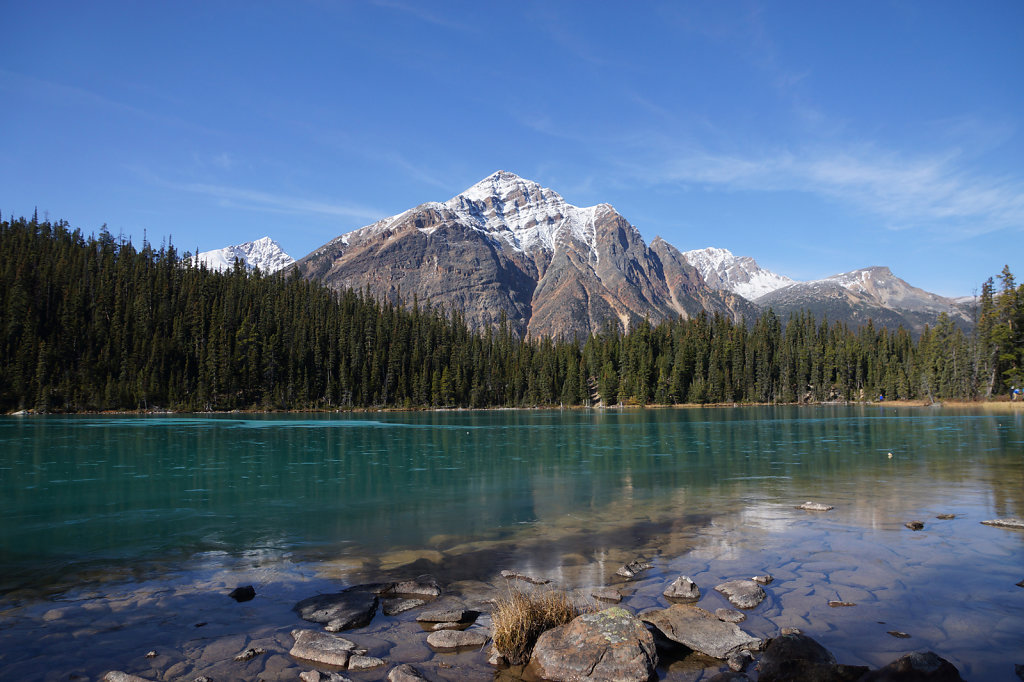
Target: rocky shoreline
[
  {"x": 612, "y": 643},
  {"x": 642, "y": 615}
]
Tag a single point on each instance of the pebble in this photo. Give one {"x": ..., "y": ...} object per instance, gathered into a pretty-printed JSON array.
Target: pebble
[
  {"x": 765, "y": 579},
  {"x": 946, "y": 517}
]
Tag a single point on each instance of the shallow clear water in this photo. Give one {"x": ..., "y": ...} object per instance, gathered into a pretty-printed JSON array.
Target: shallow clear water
[{"x": 98, "y": 509}]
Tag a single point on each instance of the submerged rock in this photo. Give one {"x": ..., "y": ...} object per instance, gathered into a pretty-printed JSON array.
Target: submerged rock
[
  {"x": 243, "y": 593},
  {"x": 730, "y": 615},
  {"x": 815, "y": 506},
  {"x": 839, "y": 604},
  {"x": 339, "y": 611},
  {"x": 739, "y": 660},
  {"x": 700, "y": 630},
  {"x": 743, "y": 594},
  {"x": 923, "y": 666},
  {"x": 512, "y": 575},
  {"x": 317, "y": 676},
  {"x": 631, "y": 569},
  {"x": 250, "y": 653},
  {"x": 899, "y": 635},
  {"x": 798, "y": 658},
  {"x": 946, "y": 517},
  {"x": 682, "y": 589},
  {"x": 421, "y": 586},
  {"x": 1011, "y": 522},
  {"x": 914, "y": 525},
  {"x": 608, "y": 645}
]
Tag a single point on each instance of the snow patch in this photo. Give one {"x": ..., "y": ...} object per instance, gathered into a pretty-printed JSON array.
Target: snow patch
[{"x": 264, "y": 253}]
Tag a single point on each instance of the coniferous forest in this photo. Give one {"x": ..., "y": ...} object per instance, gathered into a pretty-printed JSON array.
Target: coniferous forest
[{"x": 93, "y": 323}]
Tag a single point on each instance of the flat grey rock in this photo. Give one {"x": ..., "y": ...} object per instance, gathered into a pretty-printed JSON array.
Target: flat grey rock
[
  {"x": 606, "y": 594},
  {"x": 396, "y": 605},
  {"x": 339, "y": 611},
  {"x": 320, "y": 647},
  {"x": 682, "y": 589},
  {"x": 815, "y": 506},
  {"x": 448, "y": 616},
  {"x": 1010, "y": 522},
  {"x": 456, "y": 639},
  {"x": 363, "y": 662},
  {"x": 743, "y": 594},
  {"x": 700, "y": 630}
]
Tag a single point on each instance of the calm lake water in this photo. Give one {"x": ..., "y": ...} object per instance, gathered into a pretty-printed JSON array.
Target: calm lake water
[{"x": 106, "y": 516}]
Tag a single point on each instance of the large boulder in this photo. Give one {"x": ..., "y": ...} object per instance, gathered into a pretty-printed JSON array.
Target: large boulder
[
  {"x": 339, "y": 611},
  {"x": 916, "y": 667},
  {"x": 608, "y": 645},
  {"x": 798, "y": 658},
  {"x": 700, "y": 630}
]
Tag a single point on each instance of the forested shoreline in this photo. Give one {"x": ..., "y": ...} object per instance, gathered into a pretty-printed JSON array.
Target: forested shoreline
[{"x": 94, "y": 324}]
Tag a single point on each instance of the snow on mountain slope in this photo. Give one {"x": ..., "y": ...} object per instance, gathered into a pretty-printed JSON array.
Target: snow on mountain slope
[
  {"x": 509, "y": 208},
  {"x": 740, "y": 275},
  {"x": 265, "y": 254}
]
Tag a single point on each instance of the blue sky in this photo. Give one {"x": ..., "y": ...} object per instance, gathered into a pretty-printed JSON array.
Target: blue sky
[{"x": 817, "y": 137}]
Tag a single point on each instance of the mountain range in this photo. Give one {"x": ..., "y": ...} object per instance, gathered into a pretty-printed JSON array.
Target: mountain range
[{"x": 509, "y": 249}]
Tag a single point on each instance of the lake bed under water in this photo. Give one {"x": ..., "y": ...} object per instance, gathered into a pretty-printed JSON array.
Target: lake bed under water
[{"x": 123, "y": 534}]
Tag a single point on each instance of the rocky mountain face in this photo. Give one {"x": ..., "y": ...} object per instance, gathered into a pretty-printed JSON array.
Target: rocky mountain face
[
  {"x": 854, "y": 297},
  {"x": 265, "y": 254},
  {"x": 507, "y": 247}
]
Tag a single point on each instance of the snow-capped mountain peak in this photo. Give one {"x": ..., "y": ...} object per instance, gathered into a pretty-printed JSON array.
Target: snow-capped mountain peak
[
  {"x": 263, "y": 253},
  {"x": 740, "y": 275}
]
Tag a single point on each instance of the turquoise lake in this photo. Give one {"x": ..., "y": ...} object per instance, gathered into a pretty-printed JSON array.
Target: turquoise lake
[{"x": 102, "y": 514}]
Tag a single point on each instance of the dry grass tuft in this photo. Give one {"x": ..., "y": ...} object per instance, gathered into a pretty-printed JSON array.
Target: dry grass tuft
[{"x": 522, "y": 617}]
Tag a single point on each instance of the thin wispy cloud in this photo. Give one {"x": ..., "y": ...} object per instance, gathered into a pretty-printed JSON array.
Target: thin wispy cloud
[
  {"x": 425, "y": 15},
  {"x": 934, "y": 193},
  {"x": 256, "y": 200}
]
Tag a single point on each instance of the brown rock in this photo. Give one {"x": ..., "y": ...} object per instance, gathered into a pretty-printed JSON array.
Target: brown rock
[
  {"x": 914, "y": 525},
  {"x": 608, "y": 645},
  {"x": 798, "y": 658}
]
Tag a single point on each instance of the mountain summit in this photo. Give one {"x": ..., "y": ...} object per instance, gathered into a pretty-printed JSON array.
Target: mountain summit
[
  {"x": 265, "y": 254},
  {"x": 509, "y": 248}
]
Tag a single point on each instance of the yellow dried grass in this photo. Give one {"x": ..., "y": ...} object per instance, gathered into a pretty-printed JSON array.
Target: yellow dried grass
[{"x": 522, "y": 617}]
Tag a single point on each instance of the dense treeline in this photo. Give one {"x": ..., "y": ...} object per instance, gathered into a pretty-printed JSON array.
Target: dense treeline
[{"x": 95, "y": 324}]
